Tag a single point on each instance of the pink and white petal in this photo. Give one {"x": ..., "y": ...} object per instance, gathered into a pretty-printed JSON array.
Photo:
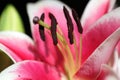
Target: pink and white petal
[
  {"x": 10, "y": 53},
  {"x": 7, "y": 57},
  {"x": 91, "y": 67},
  {"x": 116, "y": 66},
  {"x": 114, "y": 60},
  {"x": 99, "y": 31},
  {"x": 106, "y": 73},
  {"x": 30, "y": 70},
  {"x": 18, "y": 43},
  {"x": 47, "y": 49},
  {"x": 94, "y": 10}
]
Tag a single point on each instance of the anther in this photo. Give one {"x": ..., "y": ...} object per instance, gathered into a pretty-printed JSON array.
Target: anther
[
  {"x": 41, "y": 28},
  {"x": 77, "y": 20},
  {"x": 69, "y": 24},
  {"x": 35, "y": 20},
  {"x": 53, "y": 28}
]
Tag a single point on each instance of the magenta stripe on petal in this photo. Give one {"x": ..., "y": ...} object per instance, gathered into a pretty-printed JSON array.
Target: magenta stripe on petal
[{"x": 99, "y": 31}]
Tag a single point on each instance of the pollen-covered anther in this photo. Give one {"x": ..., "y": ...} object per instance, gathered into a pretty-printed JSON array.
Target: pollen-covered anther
[
  {"x": 41, "y": 28},
  {"x": 35, "y": 20},
  {"x": 53, "y": 28},
  {"x": 77, "y": 20},
  {"x": 69, "y": 24}
]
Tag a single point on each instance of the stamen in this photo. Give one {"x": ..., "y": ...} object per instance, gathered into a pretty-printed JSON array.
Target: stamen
[
  {"x": 41, "y": 28},
  {"x": 75, "y": 16},
  {"x": 53, "y": 28},
  {"x": 35, "y": 20},
  {"x": 69, "y": 24}
]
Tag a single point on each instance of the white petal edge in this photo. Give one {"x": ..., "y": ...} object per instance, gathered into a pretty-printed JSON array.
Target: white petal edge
[{"x": 16, "y": 34}]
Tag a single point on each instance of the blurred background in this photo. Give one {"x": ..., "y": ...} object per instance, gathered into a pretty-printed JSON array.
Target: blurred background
[{"x": 20, "y": 5}]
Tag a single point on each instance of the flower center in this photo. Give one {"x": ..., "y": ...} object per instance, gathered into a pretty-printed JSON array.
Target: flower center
[{"x": 71, "y": 65}]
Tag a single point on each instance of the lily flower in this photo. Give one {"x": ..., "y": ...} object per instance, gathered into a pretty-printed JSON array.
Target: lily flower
[{"x": 60, "y": 49}]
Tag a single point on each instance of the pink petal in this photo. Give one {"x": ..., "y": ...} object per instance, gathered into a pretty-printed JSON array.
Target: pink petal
[
  {"x": 99, "y": 32},
  {"x": 18, "y": 43},
  {"x": 94, "y": 10},
  {"x": 47, "y": 49},
  {"x": 91, "y": 67},
  {"x": 106, "y": 73},
  {"x": 30, "y": 70}
]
